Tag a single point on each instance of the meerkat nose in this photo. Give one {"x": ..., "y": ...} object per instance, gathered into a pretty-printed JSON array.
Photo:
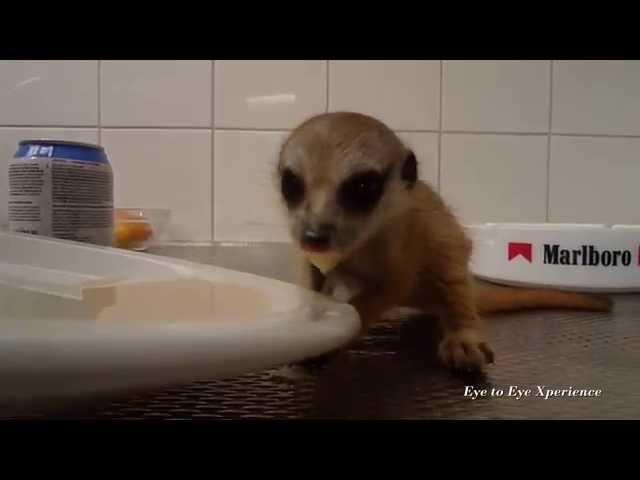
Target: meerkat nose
[{"x": 317, "y": 237}]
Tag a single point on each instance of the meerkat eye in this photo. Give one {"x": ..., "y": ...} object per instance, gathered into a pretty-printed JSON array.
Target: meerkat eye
[
  {"x": 292, "y": 187},
  {"x": 361, "y": 192}
]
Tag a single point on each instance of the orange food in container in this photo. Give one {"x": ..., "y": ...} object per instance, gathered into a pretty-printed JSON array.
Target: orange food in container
[{"x": 136, "y": 228}]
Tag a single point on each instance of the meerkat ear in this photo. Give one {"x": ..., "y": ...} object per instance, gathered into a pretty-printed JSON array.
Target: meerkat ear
[{"x": 410, "y": 170}]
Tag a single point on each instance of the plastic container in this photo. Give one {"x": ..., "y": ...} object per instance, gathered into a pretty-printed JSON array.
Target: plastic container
[
  {"x": 79, "y": 320},
  {"x": 140, "y": 228}
]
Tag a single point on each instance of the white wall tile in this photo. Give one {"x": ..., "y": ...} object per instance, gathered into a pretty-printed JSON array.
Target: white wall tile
[
  {"x": 164, "y": 169},
  {"x": 171, "y": 93},
  {"x": 403, "y": 94},
  {"x": 49, "y": 92},
  {"x": 268, "y": 93},
  {"x": 9, "y": 138},
  {"x": 485, "y": 177},
  {"x": 594, "y": 180},
  {"x": 425, "y": 148},
  {"x": 596, "y": 97},
  {"x": 499, "y": 178},
  {"x": 247, "y": 204},
  {"x": 496, "y": 96}
]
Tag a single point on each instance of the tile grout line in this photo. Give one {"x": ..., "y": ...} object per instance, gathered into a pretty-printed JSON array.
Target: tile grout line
[
  {"x": 213, "y": 155},
  {"x": 99, "y": 102},
  {"x": 440, "y": 129},
  {"x": 480, "y": 132},
  {"x": 253, "y": 129},
  {"x": 326, "y": 106},
  {"x": 549, "y": 136},
  {"x": 49, "y": 126},
  {"x": 594, "y": 135}
]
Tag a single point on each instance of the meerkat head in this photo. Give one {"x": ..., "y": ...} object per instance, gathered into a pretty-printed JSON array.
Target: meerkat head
[{"x": 341, "y": 176}]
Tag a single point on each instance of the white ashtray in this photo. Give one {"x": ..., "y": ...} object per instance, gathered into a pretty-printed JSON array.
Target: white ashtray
[{"x": 579, "y": 257}]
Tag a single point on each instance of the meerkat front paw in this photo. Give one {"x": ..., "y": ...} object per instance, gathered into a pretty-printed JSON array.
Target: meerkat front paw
[{"x": 465, "y": 349}]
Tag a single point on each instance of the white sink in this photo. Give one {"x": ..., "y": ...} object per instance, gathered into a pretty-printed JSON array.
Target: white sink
[{"x": 78, "y": 321}]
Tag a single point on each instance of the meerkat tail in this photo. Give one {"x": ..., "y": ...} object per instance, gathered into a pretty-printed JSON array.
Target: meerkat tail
[{"x": 498, "y": 299}]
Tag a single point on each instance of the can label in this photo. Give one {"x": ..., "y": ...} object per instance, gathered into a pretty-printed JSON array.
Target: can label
[{"x": 62, "y": 198}]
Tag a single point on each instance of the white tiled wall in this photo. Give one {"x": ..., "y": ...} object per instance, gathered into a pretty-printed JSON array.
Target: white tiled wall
[
  {"x": 502, "y": 140},
  {"x": 406, "y": 94}
]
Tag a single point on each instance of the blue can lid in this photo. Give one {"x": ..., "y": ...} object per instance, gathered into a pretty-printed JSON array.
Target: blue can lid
[
  {"x": 61, "y": 149},
  {"x": 44, "y": 141}
]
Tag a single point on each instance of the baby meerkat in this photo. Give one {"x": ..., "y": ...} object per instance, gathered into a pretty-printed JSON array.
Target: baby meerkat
[{"x": 375, "y": 235}]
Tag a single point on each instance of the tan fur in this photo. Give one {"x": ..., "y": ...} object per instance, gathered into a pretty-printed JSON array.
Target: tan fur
[{"x": 412, "y": 252}]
